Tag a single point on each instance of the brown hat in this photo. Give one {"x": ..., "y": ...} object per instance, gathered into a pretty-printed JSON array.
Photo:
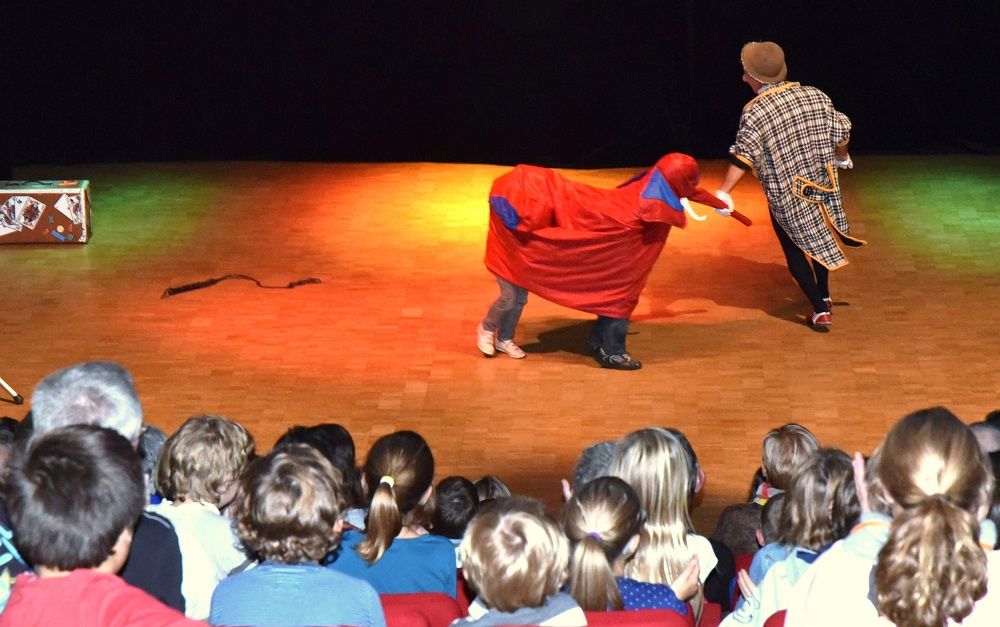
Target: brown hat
[{"x": 764, "y": 61}]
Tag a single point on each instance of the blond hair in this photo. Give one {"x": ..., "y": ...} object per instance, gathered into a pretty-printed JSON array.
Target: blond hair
[
  {"x": 653, "y": 461},
  {"x": 202, "y": 456},
  {"x": 600, "y": 520},
  {"x": 937, "y": 479},
  {"x": 785, "y": 449},
  {"x": 289, "y": 502},
  {"x": 514, "y": 554},
  {"x": 398, "y": 471},
  {"x": 821, "y": 504}
]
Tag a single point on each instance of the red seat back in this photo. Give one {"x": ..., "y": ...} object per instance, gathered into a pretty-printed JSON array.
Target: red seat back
[
  {"x": 711, "y": 615},
  {"x": 422, "y": 609},
  {"x": 640, "y": 618},
  {"x": 776, "y": 620},
  {"x": 464, "y": 594}
]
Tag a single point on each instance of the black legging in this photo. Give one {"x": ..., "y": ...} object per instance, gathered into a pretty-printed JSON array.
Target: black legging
[{"x": 813, "y": 278}]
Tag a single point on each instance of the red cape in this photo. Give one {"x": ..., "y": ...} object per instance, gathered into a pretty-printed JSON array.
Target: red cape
[{"x": 586, "y": 247}]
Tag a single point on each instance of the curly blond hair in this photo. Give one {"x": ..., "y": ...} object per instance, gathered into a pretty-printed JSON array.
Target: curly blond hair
[
  {"x": 201, "y": 458},
  {"x": 937, "y": 482}
]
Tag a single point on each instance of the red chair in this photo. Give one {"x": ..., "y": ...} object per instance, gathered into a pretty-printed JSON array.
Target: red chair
[
  {"x": 741, "y": 561},
  {"x": 421, "y": 609},
  {"x": 464, "y": 594},
  {"x": 776, "y": 620},
  {"x": 711, "y": 615},
  {"x": 640, "y": 618}
]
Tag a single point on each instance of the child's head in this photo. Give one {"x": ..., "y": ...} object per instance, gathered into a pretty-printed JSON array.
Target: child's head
[
  {"x": 398, "y": 475},
  {"x": 289, "y": 506},
  {"x": 73, "y": 497},
  {"x": 602, "y": 521},
  {"x": 653, "y": 461},
  {"x": 490, "y": 487},
  {"x": 514, "y": 554},
  {"x": 785, "y": 449},
  {"x": 821, "y": 504},
  {"x": 456, "y": 503},
  {"x": 937, "y": 483},
  {"x": 202, "y": 461},
  {"x": 770, "y": 520},
  {"x": 335, "y": 443}
]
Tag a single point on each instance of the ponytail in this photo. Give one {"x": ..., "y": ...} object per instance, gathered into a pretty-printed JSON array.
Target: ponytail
[
  {"x": 398, "y": 472},
  {"x": 385, "y": 521},
  {"x": 932, "y": 570},
  {"x": 592, "y": 583}
]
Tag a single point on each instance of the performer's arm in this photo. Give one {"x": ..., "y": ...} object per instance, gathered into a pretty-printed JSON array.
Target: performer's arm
[{"x": 733, "y": 176}]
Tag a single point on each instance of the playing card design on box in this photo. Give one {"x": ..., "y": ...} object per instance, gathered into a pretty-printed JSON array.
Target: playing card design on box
[{"x": 52, "y": 212}]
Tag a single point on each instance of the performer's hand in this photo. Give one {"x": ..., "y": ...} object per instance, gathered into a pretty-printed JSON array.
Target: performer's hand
[
  {"x": 726, "y": 198},
  {"x": 846, "y": 163}
]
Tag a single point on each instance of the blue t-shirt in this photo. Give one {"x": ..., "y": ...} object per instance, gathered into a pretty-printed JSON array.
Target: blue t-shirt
[
  {"x": 422, "y": 564},
  {"x": 639, "y": 595},
  {"x": 295, "y": 594},
  {"x": 764, "y": 559}
]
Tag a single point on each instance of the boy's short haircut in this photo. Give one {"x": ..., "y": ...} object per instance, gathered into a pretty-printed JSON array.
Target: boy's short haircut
[
  {"x": 205, "y": 453},
  {"x": 457, "y": 503},
  {"x": 514, "y": 554},
  {"x": 785, "y": 449},
  {"x": 491, "y": 487},
  {"x": 288, "y": 504},
  {"x": 71, "y": 494},
  {"x": 770, "y": 518},
  {"x": 595, "y": 461}
]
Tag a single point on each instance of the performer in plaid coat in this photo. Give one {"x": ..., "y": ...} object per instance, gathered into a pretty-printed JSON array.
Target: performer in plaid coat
[{"x": 794, "y": 140}]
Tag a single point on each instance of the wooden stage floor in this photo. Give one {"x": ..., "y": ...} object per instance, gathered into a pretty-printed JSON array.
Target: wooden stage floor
[{"x": 386, "y": 342}]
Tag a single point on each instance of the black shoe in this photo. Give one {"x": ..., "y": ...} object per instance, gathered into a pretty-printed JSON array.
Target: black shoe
[{"x": 620, "y": 361}]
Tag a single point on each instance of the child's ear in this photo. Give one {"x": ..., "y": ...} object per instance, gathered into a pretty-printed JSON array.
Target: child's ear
[
  {"x": 631, "y": 547},
  {"x": 427, "y": 494},
  {"x": 338, "y": 527},
  {"x": 760, "y": 537}
]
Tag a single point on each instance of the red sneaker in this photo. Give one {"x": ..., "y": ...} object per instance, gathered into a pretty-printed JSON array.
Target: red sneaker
[{"x": 821, "y": 319}]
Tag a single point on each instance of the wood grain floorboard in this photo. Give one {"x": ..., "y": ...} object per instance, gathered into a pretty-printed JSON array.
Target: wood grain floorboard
[{"x": 386, "y": 342}]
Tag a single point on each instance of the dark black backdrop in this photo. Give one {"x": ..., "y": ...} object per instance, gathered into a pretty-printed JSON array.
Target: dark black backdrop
[{"x": 557, "y": 83}]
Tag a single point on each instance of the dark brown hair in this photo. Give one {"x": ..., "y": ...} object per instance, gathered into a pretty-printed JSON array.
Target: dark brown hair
[
  {"x": 72, "y": 494},
  {"x": 399, "y": 469}
]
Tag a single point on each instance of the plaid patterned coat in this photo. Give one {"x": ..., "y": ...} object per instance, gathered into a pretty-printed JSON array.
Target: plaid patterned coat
[{"x": 787, "y": 135}]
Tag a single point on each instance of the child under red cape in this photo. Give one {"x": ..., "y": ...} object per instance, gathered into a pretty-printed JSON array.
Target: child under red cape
[{"x": 585, "y": 247}]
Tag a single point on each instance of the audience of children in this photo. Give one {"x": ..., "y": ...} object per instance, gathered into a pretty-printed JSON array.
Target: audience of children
[
  {"x": 198, "y": 475},
  {"x": 289, "y": 513},
  {"x": 602, "y": 521},
  {"x": 784, "y": 449},
  {"x": 922, "y": 553},
  {"x": 103, "y": 394},
  {"x": 820, "y": 507},
  {"x": 74, "y": 497},
  {"x": 74, "y": 509},
  {"x": 517, "y": 559},
  {"x": 396, "y": 553},
  {"x": 653, "y": 461}
]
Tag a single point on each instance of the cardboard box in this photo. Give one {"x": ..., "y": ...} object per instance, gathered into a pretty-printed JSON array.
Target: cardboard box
[{"x": 44, "y": 212}]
